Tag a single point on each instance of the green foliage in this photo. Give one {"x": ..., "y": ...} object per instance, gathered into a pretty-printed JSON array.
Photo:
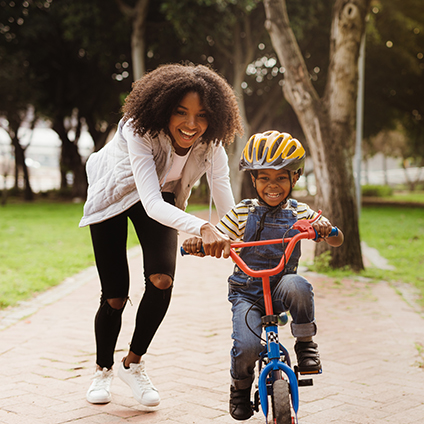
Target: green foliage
[
  {"x": 376, "y": 191},
  {"x": 72, "y": 50},
  {"x": 322, "y": 262},
  {"x": 394, "y": 71}
]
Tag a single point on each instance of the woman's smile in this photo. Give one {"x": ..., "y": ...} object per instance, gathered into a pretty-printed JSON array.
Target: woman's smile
[{"x": 188, "y": 122}]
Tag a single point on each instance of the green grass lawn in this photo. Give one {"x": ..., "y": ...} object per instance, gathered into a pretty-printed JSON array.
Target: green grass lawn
[
  {"x": 41, "y": 245},
  {"x": 417, "y": 197},
  {"x": 398, "y": 234}
]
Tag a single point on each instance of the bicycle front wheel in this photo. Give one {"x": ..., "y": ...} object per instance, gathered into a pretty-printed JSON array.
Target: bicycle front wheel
[{"x": 281, "y": 411}]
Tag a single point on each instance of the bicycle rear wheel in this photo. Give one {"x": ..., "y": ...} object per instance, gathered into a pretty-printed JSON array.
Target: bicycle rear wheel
[{"x": 281, "y": 411}]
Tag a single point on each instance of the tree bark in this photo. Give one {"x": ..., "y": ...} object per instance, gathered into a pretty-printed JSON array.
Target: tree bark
[
  {"x": 327, "y": 122},
  {"x": 99, "y": 137},
  {"x": 137, "y": 15},
  {"x": 12, "y": 130},
  {"x": 20, "y": 164},
  {"x": 243, "y": 52},
  {"x": 71, "y": 161}
]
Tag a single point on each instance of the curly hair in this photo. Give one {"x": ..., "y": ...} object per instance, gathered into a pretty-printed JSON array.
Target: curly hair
[{"x": 155, "y": 96}]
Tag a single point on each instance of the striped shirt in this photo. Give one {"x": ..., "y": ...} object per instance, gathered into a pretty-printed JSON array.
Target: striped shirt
[{"x": 234, "y": 222}]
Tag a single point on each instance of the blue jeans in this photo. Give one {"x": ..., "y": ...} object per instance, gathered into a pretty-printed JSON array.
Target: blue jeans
[{"x": 293, "y": 294}]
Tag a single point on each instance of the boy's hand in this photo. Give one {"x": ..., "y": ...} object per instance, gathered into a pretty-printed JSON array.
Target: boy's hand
[
  {"x": 193, "y": 246},
  {"x": 323, "y": 228}
]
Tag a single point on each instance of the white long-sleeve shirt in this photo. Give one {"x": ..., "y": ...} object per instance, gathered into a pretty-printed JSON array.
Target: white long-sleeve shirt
[{"x": 129, "y": 168}]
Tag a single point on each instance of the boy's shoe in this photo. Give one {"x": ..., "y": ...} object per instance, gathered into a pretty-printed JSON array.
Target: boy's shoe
[
  {"x": 308, "y": 361},
  {"x": 99, "y": 391},
  {"x": 143, "y": 390},
  {"x": 240, "y": 405}
]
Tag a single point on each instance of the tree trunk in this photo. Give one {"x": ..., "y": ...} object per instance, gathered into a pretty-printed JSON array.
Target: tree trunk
[
  {"x": 235, "y": 149},
  {"x": 70, "y": 161},
  {"x": 138, "y": 42},
  {"x": 99, "y": 137},
  {"x": 21, "y": 165},
  {"x": 137, "y": 15},
  {"x": 242, "y": 54},
  {"x": 328, "y": 122}
]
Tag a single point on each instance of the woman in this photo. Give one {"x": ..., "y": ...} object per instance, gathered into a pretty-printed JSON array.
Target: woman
[{"x": 176, "y": 120}]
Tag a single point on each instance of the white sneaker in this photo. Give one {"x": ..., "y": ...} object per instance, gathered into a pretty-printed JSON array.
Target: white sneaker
[
  {"x": 99, "y": 391},
  {"x": 141, "y": 386}
]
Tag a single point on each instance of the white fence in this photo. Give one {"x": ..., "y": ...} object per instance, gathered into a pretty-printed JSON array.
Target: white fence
[{"x": 42, "y": 157}]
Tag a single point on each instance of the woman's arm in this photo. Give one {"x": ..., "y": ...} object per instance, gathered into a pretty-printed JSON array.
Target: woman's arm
[{"x": 221, "y": 188}]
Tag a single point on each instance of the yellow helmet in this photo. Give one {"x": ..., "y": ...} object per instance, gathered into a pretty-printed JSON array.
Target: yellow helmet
[{"x": 273, "y": 150}]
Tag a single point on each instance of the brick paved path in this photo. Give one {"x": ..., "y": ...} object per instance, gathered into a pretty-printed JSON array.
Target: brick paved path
[{"x": 368, "y": 337}]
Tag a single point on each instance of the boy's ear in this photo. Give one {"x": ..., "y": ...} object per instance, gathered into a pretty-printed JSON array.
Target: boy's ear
[
  {"x": 253, "y": 180},
  {"x": 295, "y": 179}
]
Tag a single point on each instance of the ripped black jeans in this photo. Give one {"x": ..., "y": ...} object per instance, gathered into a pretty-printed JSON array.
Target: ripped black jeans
[{"x": 159, "y": 247}]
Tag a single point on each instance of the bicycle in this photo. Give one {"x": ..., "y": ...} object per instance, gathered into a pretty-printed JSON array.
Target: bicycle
[{"x": 283, "y": 389}]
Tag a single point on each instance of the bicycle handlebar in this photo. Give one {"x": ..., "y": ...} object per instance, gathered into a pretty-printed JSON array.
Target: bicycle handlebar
[
  {"x": 306, "y": 231},
  {"x": 334, "y": 232}
]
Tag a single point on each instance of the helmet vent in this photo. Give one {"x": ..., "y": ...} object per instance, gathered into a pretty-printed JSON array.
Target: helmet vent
[
  {"x": 292, "y": 150},
  {"x": 250, "y": 150},
  {"x": 261, "y": 149},
  {"x": 275, "y": 146}
]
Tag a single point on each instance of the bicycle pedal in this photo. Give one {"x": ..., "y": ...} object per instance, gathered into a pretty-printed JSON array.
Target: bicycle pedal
[
  {"x": 305, "y": 382},
  {"x": 303, "y": 372}
]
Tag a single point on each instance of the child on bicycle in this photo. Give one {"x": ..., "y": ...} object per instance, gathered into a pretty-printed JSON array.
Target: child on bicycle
[{"x": 275, "y": 161}]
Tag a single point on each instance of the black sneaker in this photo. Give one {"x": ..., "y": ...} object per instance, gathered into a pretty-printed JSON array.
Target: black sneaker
[
  {"x": 308, "y": 361},
  {"x": 240, "y": 405}
]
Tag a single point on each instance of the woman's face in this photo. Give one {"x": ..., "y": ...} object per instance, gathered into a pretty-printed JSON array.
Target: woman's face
[{"x": 188, "y": 122}]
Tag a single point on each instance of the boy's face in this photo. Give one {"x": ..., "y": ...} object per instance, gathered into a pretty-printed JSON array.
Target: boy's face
[{"x": 273, "y": 186}]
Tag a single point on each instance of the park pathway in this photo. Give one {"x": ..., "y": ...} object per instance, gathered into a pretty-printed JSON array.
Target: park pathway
[{"x": 371, "y": 343}]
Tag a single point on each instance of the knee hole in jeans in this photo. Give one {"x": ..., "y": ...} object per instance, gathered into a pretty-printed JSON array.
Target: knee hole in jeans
[{"x": 117, "y": 303}]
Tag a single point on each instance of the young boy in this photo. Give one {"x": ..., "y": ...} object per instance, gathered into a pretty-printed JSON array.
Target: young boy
[{"x": 275, "y": 161}]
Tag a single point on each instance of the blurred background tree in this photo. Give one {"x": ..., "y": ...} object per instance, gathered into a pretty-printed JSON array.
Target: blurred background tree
[{"x": 72, "y": 62}]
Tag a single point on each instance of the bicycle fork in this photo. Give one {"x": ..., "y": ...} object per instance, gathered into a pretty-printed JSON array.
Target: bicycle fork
[
  {"x": 270, "y": 323},
  {"x": 274, "y": 365}
]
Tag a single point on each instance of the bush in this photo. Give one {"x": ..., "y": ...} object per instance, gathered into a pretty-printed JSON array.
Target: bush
[{"x": 376, "y": 191}]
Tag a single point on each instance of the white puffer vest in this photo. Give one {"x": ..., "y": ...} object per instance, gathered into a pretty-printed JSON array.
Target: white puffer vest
[{"x": 112, "y": 187}]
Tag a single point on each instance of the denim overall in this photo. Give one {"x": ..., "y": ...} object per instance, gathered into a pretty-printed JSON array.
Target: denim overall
[{"x": 290, "y": 292}]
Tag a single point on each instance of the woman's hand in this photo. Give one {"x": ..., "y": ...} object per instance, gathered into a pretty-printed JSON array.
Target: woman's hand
[
  {"x": 214, "y": 242},
  {"x": 193, "y": 246}
]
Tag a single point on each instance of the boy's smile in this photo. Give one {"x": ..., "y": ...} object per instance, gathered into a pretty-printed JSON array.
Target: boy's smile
[{"x": 273, "y": 186}]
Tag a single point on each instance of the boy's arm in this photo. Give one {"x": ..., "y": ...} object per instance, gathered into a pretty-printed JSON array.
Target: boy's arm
[
  {"x": 193, "y": 246},
  {"x": 322, "y": 225}
]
